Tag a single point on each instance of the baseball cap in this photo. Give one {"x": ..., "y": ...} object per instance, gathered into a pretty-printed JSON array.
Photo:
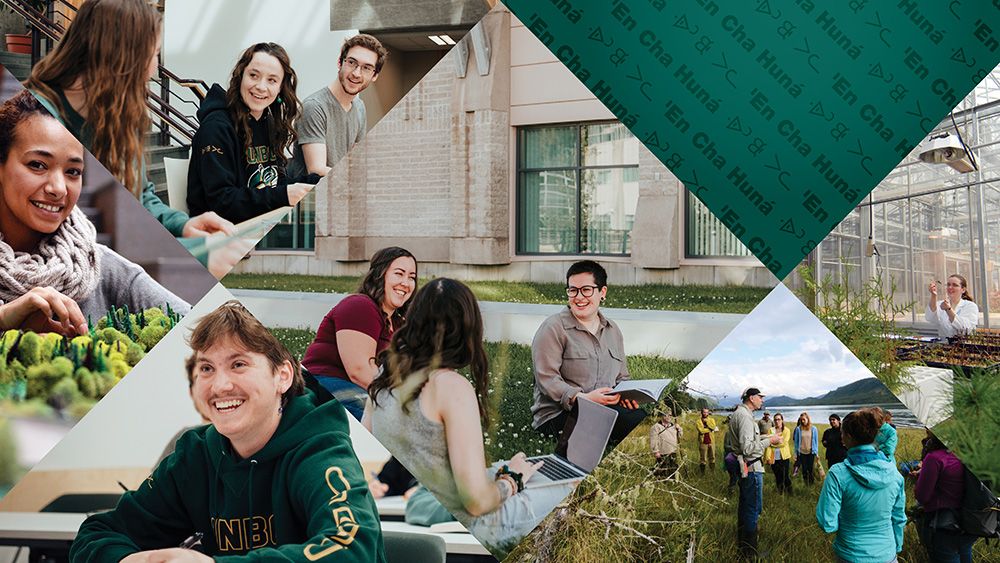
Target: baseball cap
[{"x": 750, "y": 392}]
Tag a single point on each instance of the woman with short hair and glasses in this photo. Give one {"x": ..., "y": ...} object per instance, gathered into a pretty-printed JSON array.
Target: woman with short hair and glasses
[
  {"x": 578, "y": 353},
  {"x": 957, "y": 314}
]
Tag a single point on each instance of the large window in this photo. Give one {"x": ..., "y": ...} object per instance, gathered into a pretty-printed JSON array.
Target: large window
[
  {"x": 297, "y": 231},
  {"x": 577, "y": 189},
  {"x": 706, "y": 236}
]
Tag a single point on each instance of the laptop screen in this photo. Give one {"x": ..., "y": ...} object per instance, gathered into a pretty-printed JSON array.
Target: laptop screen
[{"x": 590, "y": 435}]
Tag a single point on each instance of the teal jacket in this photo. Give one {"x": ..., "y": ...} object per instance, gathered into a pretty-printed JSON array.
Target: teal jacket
[
  {"x": 886, "y": 441},
  {"x": 863, "y": 501},
  {"x": 172, "y": 219},
  {"x": 303, "y": 497}
]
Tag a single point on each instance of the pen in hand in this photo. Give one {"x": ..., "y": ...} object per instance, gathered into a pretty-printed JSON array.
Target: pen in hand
[{"x": 193, "y": 541}]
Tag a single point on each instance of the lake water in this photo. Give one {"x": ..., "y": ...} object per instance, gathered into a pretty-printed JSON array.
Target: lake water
[{"x": 820, "y": 414}]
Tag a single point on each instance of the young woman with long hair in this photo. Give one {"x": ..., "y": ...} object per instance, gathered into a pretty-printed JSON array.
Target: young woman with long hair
[
  {"x": 778, "y": 456},
  {"x": 95, "y": 80},
  {"x": 955, "y": 315},
  {"x": 238, "y": 156},
  {"x": 863, "y": 500},
  {"x": 343, "y": 356},
  {"x": 432, "y": 418},
  {"x": 806, "y": 440},
  {"x": 53, "y": 273}
]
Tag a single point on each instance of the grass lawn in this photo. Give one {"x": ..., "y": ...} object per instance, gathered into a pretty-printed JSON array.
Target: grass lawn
[
  {"x": 652, "y": 519},
  {"x": 512, "y": 388},
  {"x": 702, "y": 298}
]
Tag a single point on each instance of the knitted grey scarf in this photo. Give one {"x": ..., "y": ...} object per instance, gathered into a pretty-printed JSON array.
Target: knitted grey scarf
[{"x": 65, "y": 260}]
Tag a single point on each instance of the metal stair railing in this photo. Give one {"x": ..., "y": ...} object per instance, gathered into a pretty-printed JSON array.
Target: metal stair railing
[{"x": 172, "y": 124}]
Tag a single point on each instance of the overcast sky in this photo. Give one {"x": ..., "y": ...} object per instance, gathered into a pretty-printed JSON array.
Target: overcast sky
[{"x": 782, "y": 349}]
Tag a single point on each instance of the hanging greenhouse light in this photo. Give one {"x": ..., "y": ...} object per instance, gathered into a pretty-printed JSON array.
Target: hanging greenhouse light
[{"x": 946, "y": 149}]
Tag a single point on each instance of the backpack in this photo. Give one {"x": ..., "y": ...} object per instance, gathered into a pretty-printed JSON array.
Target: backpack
[{"x": 979, "y": 514}]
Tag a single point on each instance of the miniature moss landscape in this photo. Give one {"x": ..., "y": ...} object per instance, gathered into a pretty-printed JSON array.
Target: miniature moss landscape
[{"x": 69, "y": 374}]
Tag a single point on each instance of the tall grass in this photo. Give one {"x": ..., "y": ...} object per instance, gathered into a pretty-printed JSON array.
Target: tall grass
[
  {"x": 511, "y": 391},
  {"x": 622, "y": 512},
  {"x": 512, "y": 385}
]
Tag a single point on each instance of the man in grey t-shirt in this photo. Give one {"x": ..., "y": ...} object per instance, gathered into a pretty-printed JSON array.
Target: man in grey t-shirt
[{"x": 333, "y": 118}]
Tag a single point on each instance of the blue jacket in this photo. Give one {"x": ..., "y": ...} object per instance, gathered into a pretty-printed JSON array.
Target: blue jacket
[
  {"x": 796, "y": 438},
  {"x": 886, "y": 441},
  {"x": 863, "y": 501}
]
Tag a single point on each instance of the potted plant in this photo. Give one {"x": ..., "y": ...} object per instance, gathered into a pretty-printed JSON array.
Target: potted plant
[{"x": 21, "y": 42}]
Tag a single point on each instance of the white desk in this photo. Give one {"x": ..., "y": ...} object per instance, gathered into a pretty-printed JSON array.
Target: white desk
[
  {"x": 394, "y": 507},
  {"x": 53, "y": 527}
]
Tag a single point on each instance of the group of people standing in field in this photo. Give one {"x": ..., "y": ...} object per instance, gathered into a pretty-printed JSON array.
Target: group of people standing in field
[{"x": 862, "y": 499}]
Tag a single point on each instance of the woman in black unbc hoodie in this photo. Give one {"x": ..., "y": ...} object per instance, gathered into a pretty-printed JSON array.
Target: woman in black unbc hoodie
[{"x": 238, "y": 158}]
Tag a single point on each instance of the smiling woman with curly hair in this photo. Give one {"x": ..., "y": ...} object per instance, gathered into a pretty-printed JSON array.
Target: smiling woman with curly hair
[{"x": 238, "y": 155}]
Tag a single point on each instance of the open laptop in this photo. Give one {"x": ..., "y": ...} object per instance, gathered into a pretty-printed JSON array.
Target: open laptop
[{"x": 586, "y": 446}]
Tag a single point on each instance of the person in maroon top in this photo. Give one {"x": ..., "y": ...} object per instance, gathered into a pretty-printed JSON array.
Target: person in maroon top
[
  {"x": 344, "y": 355},
  {"x": 939, "y": 490}
]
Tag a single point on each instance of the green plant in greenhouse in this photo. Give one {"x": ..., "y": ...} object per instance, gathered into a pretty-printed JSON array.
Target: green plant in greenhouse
[{"x": 860, "y": 318}]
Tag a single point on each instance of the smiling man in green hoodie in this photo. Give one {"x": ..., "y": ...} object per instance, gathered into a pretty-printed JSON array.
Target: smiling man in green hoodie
[{"x": 273, "y": 478}]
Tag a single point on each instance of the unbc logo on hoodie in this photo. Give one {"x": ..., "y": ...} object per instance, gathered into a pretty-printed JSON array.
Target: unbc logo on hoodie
[
  {"x": 263, "y": 177},
  {"x": 243, "y": 534}
]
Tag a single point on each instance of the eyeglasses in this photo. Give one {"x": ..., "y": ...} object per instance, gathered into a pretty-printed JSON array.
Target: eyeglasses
[
  {"x": 351, "y": 63},
  {"x": 586, "y": 291}
]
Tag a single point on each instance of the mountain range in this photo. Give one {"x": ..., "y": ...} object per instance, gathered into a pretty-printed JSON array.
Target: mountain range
[{"x": 868, "y": 391}]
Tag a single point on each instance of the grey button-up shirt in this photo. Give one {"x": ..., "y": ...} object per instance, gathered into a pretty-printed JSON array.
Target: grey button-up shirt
[{"x": 568, "y": 359}]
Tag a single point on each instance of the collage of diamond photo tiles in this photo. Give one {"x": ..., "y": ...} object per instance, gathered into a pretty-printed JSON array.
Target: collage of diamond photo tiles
[{"x": 463, "y": 280}]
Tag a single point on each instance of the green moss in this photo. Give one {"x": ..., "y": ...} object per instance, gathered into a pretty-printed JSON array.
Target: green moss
[
  {"x": 112, "y": 336},
  {"x": 134, "y": 354},
  {"x": 86, "y": 382},
  {"x": 120, "y": 368},
  {"x": 50, "y": 345},
  {"x": 64, "y": 393},
  {"x": 105, "y": 382},
  {"x": 151, "y": 335},
  {"x": 44, "y": 377},
  {"x": 29, "y": 349}
]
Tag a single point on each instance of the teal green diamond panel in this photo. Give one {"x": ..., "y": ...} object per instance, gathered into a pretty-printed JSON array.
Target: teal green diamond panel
[{"x": 779, "y": 116}]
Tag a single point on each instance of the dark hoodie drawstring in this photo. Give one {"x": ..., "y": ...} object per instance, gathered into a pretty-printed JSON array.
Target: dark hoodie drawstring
[{"x": 253, "y": 464}]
